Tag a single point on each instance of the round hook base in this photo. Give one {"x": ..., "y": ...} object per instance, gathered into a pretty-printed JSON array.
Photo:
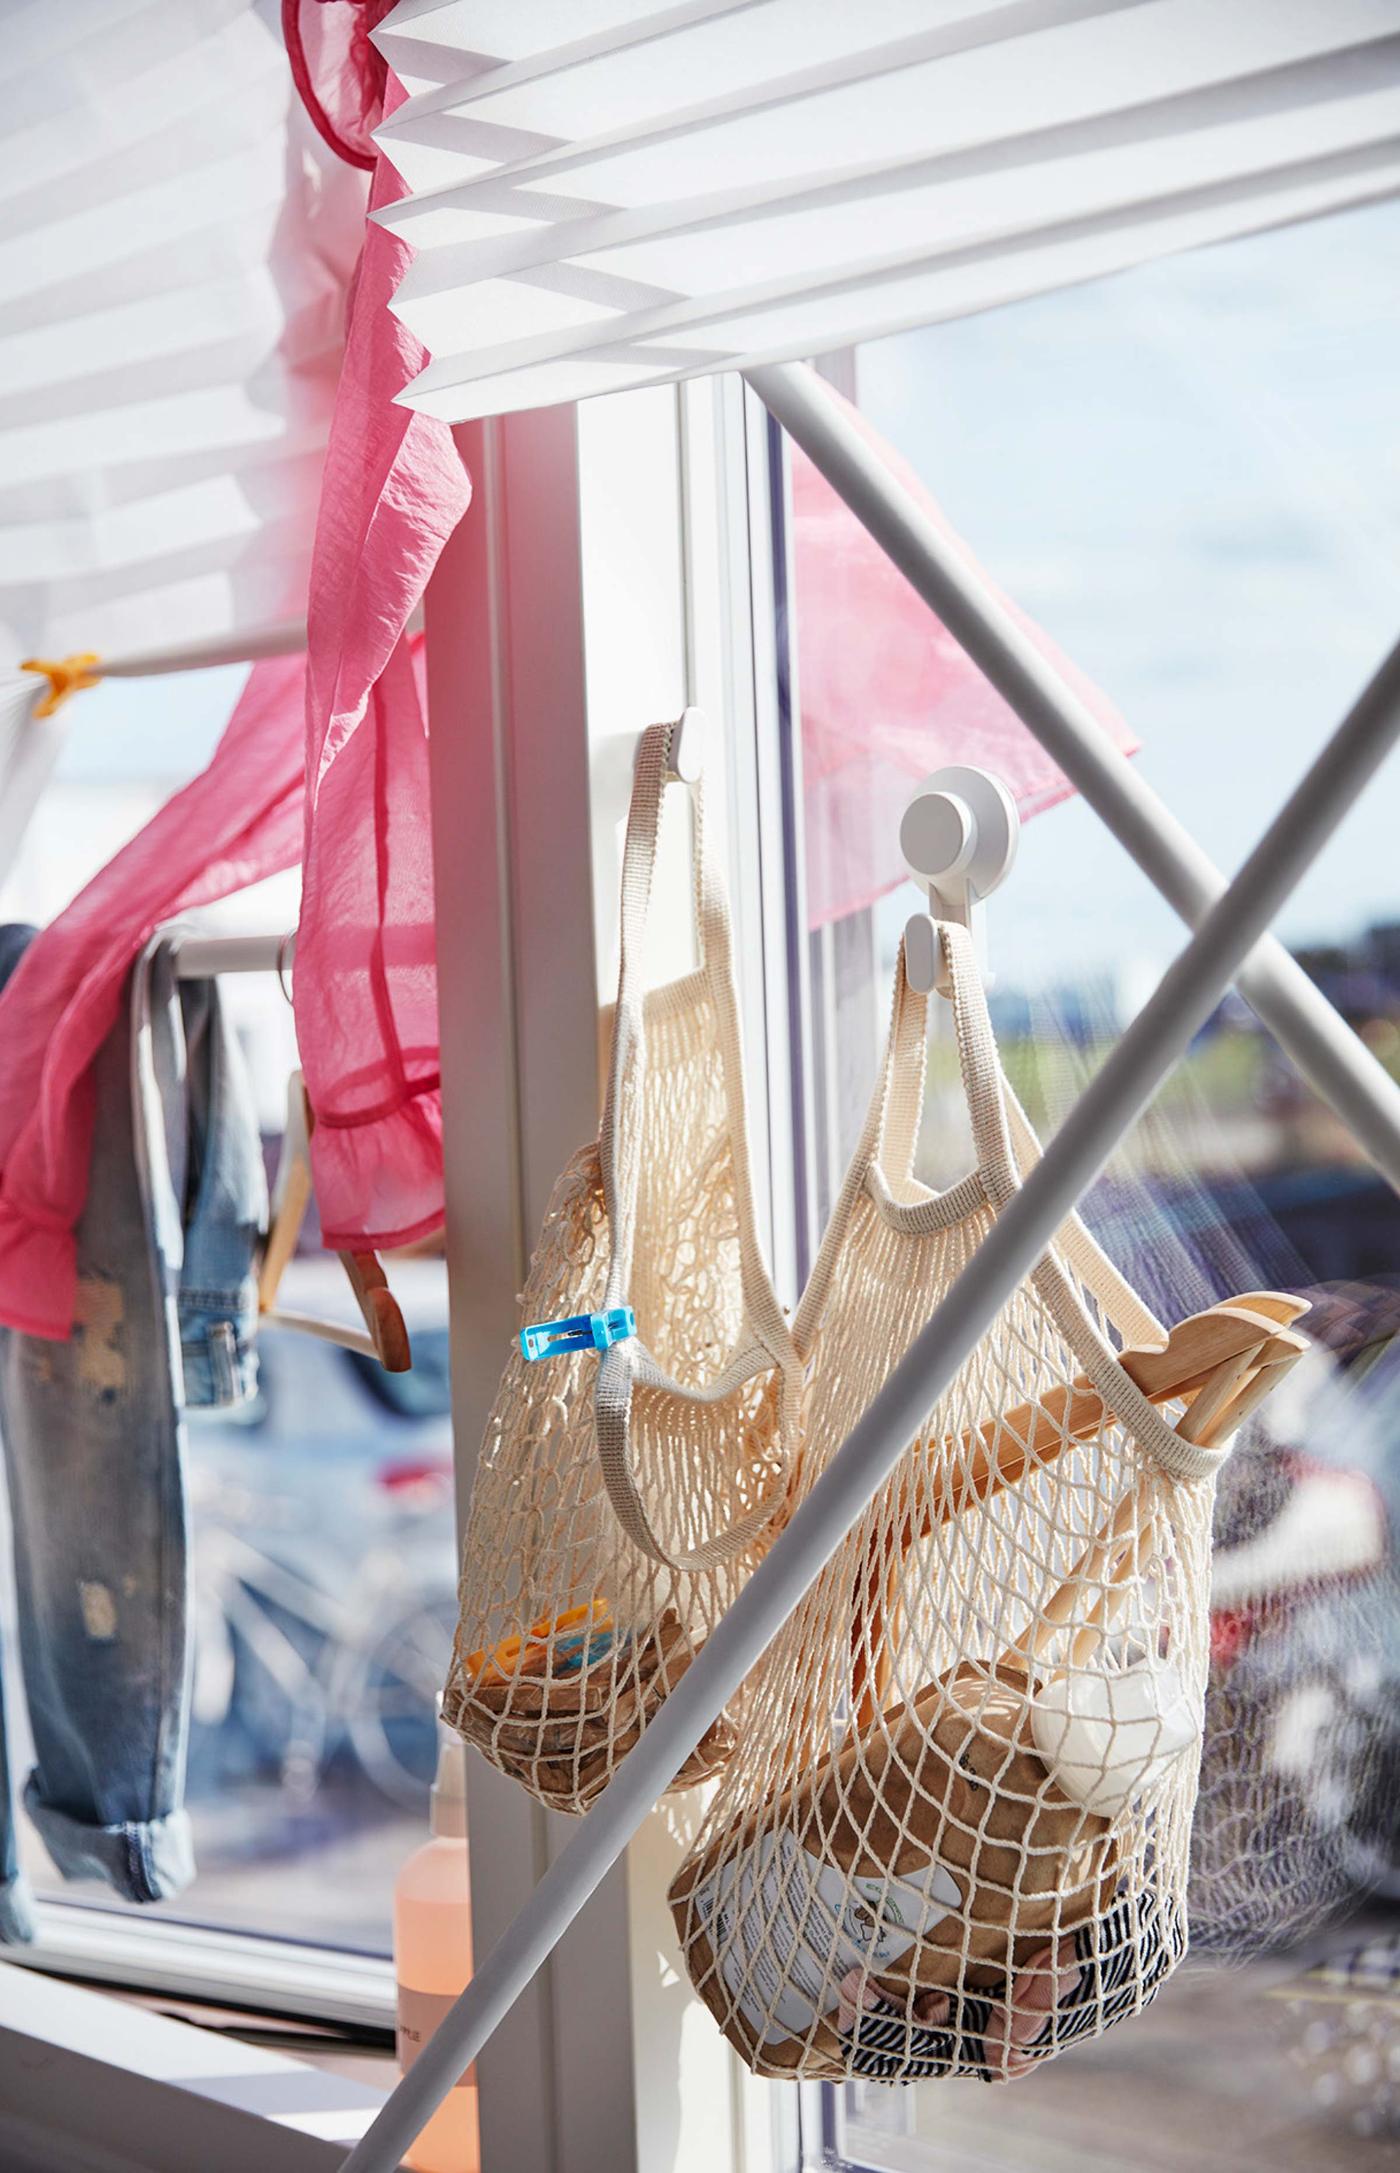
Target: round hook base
[{"x": 960, "y": 831}]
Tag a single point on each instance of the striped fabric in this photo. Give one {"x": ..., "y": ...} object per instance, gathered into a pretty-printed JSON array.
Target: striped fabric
[{"x": 1124, "y": 1958}]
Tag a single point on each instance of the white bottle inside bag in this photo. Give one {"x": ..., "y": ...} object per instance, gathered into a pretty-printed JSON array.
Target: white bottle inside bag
[{"x": 433, "y": 1959}]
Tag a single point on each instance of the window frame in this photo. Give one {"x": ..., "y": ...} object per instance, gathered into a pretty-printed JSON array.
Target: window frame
[
  {"x": 640, "y": 531},
  {"x": 645, "y": 533}
]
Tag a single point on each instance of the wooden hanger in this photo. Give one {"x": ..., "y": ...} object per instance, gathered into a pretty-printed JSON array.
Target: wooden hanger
[
  {"x": 385, "y": 1336},
  {"x": 1112, "y": 1558},
  {"x": 1222, "y": 1361},
  {"x": 1002, "y": 1450}
]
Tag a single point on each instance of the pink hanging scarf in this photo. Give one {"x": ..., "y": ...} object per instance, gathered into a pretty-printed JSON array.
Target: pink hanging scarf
[
  {"x": 365, "y": 984},
  {"x": 238, "y": 821},
  {"x": 349, "y": 719}
]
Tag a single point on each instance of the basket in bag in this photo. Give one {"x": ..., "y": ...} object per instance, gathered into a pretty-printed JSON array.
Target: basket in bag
[
  {"x": 954, "y": 1836},
  {"x": 625, "y": 1487}
]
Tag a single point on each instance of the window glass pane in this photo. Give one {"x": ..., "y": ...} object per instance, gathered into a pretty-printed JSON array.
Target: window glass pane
[
  {"x": 1189, "y": 478},
  {"x": 322, "y": 1527}
]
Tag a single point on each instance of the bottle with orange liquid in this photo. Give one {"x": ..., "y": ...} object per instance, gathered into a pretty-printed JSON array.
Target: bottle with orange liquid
[{"x": 433, "y": 1959}]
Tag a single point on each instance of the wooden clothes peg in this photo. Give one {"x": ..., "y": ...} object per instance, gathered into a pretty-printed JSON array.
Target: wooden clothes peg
[{"x": 385, "y": 1335}]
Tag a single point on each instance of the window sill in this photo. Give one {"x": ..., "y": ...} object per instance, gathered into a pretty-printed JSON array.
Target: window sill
[
  {"x": 91, "y": 2084},
  {"x": 193, "y": 1961}
]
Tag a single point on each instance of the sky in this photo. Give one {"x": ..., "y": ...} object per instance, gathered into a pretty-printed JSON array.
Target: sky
[{"x": 1190, "y": 474}]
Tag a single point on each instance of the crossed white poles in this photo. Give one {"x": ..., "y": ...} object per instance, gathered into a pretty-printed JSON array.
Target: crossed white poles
[
  {"x": 1330, "y": 1056},
  {"x": 1230, "y": 940}
]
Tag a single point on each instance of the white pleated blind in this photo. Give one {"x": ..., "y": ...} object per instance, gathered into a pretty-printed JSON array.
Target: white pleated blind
[
  {"x": 607, "y": 195},
  {"x": 175, "y": 243}
]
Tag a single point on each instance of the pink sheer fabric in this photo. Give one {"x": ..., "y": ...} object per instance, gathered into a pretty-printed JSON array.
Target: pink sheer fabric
[
  {"x": 238, "y": 821},
  {"x": 339, "y": 74},
  {"x": 365, "y": 983},
  {"x": 887, "y": 695},
  {"x": 349, "y": 721}
]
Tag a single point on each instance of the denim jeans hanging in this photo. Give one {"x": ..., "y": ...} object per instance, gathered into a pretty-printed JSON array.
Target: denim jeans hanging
[{"x": 94, "y": 1440}]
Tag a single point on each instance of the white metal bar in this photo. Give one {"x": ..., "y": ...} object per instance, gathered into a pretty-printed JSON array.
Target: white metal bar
[
  {"x": 1113, "y": 1100},
  {"x": 286, "y": 639},
  {"x": 197, "y": 957},
  {"x": 1328, "y": 1054}
]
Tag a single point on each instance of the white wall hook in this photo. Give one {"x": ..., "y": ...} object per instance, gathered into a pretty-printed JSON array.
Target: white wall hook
[
  {"x": 958, "y": 836},
  {"x": 685, "y": 756},
  {"x": 687, "y": 753}
]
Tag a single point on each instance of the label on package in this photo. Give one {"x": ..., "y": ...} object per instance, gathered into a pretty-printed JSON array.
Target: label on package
[
  {"x": 785, "y": 1927},
  {"x": 419, "y": 2015}
]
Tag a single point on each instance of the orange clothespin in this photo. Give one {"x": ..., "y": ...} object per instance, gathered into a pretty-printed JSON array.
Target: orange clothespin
[{"x": 65, "y": 676}]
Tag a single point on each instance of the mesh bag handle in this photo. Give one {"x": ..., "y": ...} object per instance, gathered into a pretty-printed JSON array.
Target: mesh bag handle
[
  {"x": 1006, "y": 1149},
  {"x": 900, "y": 1106},
  {"x": 625, "y": 1365},
  {"x": 891, "y": 1130}
]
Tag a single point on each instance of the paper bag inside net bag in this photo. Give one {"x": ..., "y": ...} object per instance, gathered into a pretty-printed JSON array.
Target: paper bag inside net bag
[{"x": 936, "y": 1851}]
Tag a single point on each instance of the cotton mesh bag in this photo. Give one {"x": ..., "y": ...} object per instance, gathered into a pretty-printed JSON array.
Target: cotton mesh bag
[
  {"x": 630, "y": 1476},
  {"x": 954, "y": 1836}
]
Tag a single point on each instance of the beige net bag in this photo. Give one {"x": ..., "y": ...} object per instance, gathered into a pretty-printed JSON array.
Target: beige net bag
[
  {"x": 954, "y": 1835},
  {"x": 628, "y": 1480}
]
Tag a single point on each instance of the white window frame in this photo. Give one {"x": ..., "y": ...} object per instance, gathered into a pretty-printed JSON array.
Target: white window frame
[{"x": 617, "y": 567}]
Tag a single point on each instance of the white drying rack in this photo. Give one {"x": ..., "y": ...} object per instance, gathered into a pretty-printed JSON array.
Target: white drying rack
[{"x": 197, "y": 957}]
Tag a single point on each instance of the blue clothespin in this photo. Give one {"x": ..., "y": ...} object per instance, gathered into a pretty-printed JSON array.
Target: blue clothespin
[{"x": 580, "y": 1332}]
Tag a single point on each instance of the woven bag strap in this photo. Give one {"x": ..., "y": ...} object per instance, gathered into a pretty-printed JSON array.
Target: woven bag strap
[
  {"x": 1006, "y": 1149},
  {"x": 1082, "y": 1253},
  {"x": 619, "y": 1151},
  {"x": 902, "y": 1083},
  {"x": 617, "y": 1136},
  {"x": 890, "y": 1133},
  {"x": 628, "y": 1366},
  {"x": 1006, "y": 1146}
]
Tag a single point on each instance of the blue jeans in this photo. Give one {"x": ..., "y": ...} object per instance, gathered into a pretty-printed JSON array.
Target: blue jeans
[{"x": 94, "y": 1439}]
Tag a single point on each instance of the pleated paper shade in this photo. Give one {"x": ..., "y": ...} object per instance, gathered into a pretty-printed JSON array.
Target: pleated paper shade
[
  {"x": 710, "y": 186},
  {"x": 175, "y": 243}
]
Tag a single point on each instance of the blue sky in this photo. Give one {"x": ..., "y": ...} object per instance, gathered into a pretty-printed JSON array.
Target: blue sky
[{"x": 1190, "y": 474}]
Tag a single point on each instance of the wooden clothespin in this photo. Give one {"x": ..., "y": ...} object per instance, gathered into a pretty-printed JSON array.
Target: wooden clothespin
[
  {"x": 385, "y": 1336},
  {"x": 1220, "y": 1403}
]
